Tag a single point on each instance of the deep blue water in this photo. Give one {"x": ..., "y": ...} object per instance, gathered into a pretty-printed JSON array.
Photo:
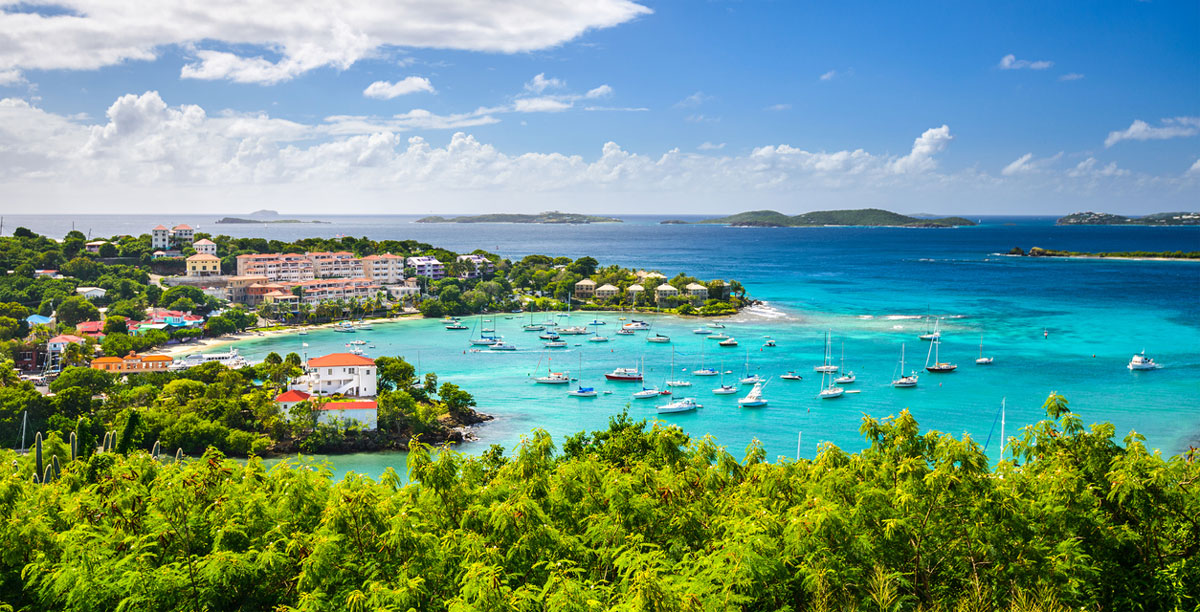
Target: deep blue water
[{"x": 1052, "y": 325}]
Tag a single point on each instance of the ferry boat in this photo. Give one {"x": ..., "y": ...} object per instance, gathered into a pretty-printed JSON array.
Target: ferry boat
[
  {"x": 583, "y": 392},
  {"x": 624, "y": 374},
  {"x": 754, "y": 399},
  {"x": 683, "y": 404},
  {"x": 230, "y": 359},
  {"x": 1141, "y": 362},
  {"x": 728, "y": 342},
  {"x": 502, "y": 346},
  {"x": 658, "y": 339},
  {"x": 904, "y": 382}
]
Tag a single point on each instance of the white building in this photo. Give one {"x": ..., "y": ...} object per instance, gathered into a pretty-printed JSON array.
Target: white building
[
  {"x": 696, "y": 290},
  {"x": 337, "y": 264},
  {"x": 385, "y": 269},
  {"x": 160, "y": 238},
  {"x": 55, "y": 347},
  {"x": 204, "y": 246},
  {"x": 183, "y": 234},
  {"x": 365, "y": 412},
  {"x": 91, "y": 293},
  {"x": 338, "y": 373},
  {"x": 607, "y": 291},
  {"x": 482, "y": 265},
  {"x": 428, "y": 267}
]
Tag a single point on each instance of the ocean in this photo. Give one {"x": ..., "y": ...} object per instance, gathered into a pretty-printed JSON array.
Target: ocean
[{"x": 1068, "y": 326}]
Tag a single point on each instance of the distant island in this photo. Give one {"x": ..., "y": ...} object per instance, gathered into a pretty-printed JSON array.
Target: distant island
[
  {"x": 545, "y": 217},
  {"x": 1095, "y": 218},
  {"x": 235, "y": 220},
  {"x": 672, "y": 222},
  {"x": 868, "y": 217},
  {"x": 1134, "y": 255}
]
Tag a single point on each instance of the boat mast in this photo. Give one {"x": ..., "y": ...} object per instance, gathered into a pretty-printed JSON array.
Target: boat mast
[{"x": 1002, "y": 416}]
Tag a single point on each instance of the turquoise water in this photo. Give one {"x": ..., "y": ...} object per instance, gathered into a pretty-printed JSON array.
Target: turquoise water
[{"x": 860, "y": 283}]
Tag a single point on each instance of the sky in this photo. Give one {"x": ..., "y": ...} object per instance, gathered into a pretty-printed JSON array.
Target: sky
[{"x": 604, "y": 106}]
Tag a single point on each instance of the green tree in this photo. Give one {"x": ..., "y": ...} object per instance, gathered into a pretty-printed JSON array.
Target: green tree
[
  {"x": 75, "y": 310},
  {"x": 94, "y": 382},
  {"x": 115, "y": 324}
]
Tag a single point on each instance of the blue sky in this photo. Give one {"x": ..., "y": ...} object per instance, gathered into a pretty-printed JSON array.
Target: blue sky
[{"x": 617, "y": 106}]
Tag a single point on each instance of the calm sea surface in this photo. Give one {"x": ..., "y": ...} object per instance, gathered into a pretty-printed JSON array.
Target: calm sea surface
[{"x": 1051, "y": 325}]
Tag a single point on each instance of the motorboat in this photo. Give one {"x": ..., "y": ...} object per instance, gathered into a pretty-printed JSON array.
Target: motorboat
[
  {"x": 449, "y": 321},
  {"x": 502, "y": 346},
  {"x": 548, "y": 336},
  {"x": 658, "y": 339},
  {"x": 646, "y": 393},
  {"x": 1141, "y": 362},
  {"x": 903, "y": 381},
  {"x": 725, "y": 390},
  {"x": 702, "y": 331},
  {"x": 705, "y": 372},
  {"x": 573, "y": 331},
  {"x": 596, "y": 322},
  {"x": 624, "y": 374},
  {"x": 598, "y": 338},
  {"x": 636, "y": 325},
  {"x": 728, "y": 342},
  {"x": 364, "y": 326},
  {"x": 624, "y": 332},
  {"x": 792, "y": 376},
  {"x": 718, "y": 336},
  {"x": 354, "y": 350},
  {"x": 345, "y": 327},
  {"x": 357, "y": 342},
  {"x": 583, "y": 392},
  {"x": 457, "y": 326},
  {"x": 555, "y": 344},
  {"x": 717, "y": 325},
  {"x": 769, "y": 343},
  {"x": 683, "y": 404},
  {"x": 754, "y": 399}
]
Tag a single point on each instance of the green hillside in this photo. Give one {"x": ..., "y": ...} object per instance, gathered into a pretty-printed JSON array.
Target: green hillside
[
  {"x": 1095, "y": 218},
  {"x": 870, "y": 217}
]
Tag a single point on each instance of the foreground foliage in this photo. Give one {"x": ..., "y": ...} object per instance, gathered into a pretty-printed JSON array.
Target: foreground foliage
[{"x": 635, "y": 517}]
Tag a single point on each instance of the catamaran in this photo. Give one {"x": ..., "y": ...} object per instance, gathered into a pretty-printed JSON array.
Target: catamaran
[
  {"x": 903, "y": 381},
  {"x": 938, "y": 366},
  {"x": 847, "y": 377},
  {"x": 754, "y": 399},
  {"x": 982, "y": 360},
  {"x": 826, "y": 367}
]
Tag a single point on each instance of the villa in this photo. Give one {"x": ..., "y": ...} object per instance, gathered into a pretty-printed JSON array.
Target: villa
[
  {"x": 635, "y": 290},
  {"x": 133, "y": 363},
  {"x": 169, "y": 239},
  {"x": 93, "y": 247},
  {"x": 365, "y": 412},
  {"x": 205, "y": 246},
  {"x": 91, "y": 293},
  {"x": 665, "y": 291},
  {"x": 696, "y": 290},
  {"x": 55, "y": 347},
  {"x": 606, "y": 292},
  {"x": 480, "y": 265},
  {"x": 585, "y": 289},
  {"x": 338, "y": 373},
  {"x": 428, "y": 267}
]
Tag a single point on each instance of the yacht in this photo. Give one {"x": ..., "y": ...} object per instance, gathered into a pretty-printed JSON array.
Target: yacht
[
  {"x": 553, "y": 378},
  {"x": 548, "y": 336},
  {"x": 503, "y": 346},
  {"x": 754, "y": 399},
  {"x": 484, "y": 341},
  {"x": 718, "y": 336},
  {"x": 583, "y": 392},
  {"x": 230, "y": 359},
  {"x": 678, "y": 382},
  {"x": 728, "y": 342},
  {"x": 457, "y": 326},
  {"x": 624, "y": 332},
  {"x": 981, "y": 360},
  {"x": 356, "y": 342},
  {"x": 847, "y": 376},
  {"x": 364, "y": 326},
  {"x": 354, "y": 350},
  {"x": 555, "y": 344},
  {"x": 1141, "y": 362},
  {"x": 831, "y": 392},
  {"x": 596, "y": 322},
  {"x": 702, "y": 331},
  {"x": 573, "y": 331},
  {"x": 792, "y": 376},
  {"x": 752, "y": 379},
  {"x": 683, "y": 404},
  {"x": 938, "y": 366},
  {"x": 705, "y": 372},
  {"x": 636, "y": 325},
  {"x": 624, "y": 374},
  {"x": 903, "y": 381},
  {"x": 769, "y": 343},
  {"x": 931, "y": 334},
  {"x": 827, "y": 367},
  {"x": 533, "y": 327},
  {"x": 717, "y": 325},
  {"x": 646, "y": 393},
  {"x": 658, "y": 339},
  {"x": 598, "y": 338},
  {"x": 725, "y": 390},
  {"x": 449, "y": 321}
]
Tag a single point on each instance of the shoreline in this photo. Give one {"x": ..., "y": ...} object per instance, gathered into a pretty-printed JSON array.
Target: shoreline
[{"x": 1097, "y": 257}]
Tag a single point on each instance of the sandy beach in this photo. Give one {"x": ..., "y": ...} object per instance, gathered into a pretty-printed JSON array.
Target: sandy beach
[{"x": 210, "y": 345}]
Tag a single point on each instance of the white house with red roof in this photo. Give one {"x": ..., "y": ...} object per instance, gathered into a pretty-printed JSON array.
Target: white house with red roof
[
  {"x": 205, "y": 246},
  {"x": 338, "y": 374},
  {"x": 287, "y": 399},
  {"x": 160, "y": 238},
  {"x": 55, "y": 347}
]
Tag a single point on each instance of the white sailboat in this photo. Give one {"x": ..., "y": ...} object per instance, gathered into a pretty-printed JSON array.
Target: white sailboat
[
  {"x": 582, "y": 391},
  {"x": 703, "y": 371},
  {"x": 683, "y": 404},
  {"x": 903, "y": 381},
  {"x": 749, "y": 379},
  {"x": 826, "y": 366},
  {"x": 724, "y": 389},
  {"x": 847, "y": 377},
  {"x": 931, "y": 334},
  {"x": 552, "y": 377},
  {"x": 981, "y": 360},
  {"x": 676, "y": 382}
]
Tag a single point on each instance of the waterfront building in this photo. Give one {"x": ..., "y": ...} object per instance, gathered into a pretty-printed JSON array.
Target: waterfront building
[
  {"x": 338, "y": 374},
  {"x": 133, "y": 363},
  {"x": 665, "y": 291},
  {"x": 697, "y": 291},
  {"x": 327, "y": 289},
  {"x": 635, "y": 290},
  {"x": 237, "y": 287},
  {"x": 203, "y": 264},
  {"x": 205, "y": 246},
  {"x": 606, "y": 292},
  {"x": 385, "y": 269},
  {"x": 428, "y": 267},
  {"x": 338, "y": 264},
  {"x": 365, "y": 412},
  {"x": 585, "y": 289}
]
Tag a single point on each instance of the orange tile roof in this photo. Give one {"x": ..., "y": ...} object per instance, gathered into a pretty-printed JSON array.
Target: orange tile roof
[
  {"x": 340, "y": 359},
  {"x": 203, "y": 257}
]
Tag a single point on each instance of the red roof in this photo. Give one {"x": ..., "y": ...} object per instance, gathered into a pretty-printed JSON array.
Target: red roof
[
  {"x": 356, "y": 405},
  {"x": 90, "y": 326},
  {"x": 182, "y": 226},
  {"x": 159, "y": 227},
  {"x": 340, "y": 359},
  {"x": 203, "y": 257},
  {"x": 203, "y": 241},
  {"x": 72, "y": 339},
  {"x": 292, "y": 396}
]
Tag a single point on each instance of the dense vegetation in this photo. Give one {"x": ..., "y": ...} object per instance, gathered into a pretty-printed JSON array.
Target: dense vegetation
[
  {"x": 1094, "y": 218},
  {"x": 1040, "y": 252},
  {"x": 230, "y": 410},
  {"x": 634, "y": 517},
  {"x": 872, "y": 217},
  {"x": 546, "y": 217}
]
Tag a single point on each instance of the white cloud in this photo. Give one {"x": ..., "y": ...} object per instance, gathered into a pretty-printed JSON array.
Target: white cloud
[
  {"x": 540, "y": 105},
  {"x": 708, "y": 146},
  {"x": 303, "y": 34},
  {"x": 693, "y": 100},
  {"x": 11, "y": 76},
  {"x": 1176, "y": 127},
  {"x": 828, "y": 76},
  {"x": 540, "y": 83},
  {"x": 602, "y": 91},
  {"x": 928, "y": 144},
  {"x": 1010, "y": 62},
  {"x": 701, "y": 118},
  {"x": 383, "y": 90},
  {"x": 1026, "y": 164},
  {"x": 1195, "y": 169},
  {"x": 1071, "y": 76},
  {"x": 1091, "y": 168},
  {"x": 779, "y": 107}
]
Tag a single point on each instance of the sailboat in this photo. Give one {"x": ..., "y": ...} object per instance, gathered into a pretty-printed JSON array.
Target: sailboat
[
  {"x": 931, "y": 334},
  {"x": 847, "y": 377},
  {"x": 939, "y": 366},
  {"x": 903, "y": 381},
  {"x": 826, "y": 367},
  {"x": 582, "y": 391},
  {"x": 552, "y": 377},
  {"x": 677, "y": 382},
  {"x": 531, "y": 326},
  {"x": 750, "y": 379},
  {"x": 982, "y": 360},
  {"x": 703, "y": 371},
  {"x": 724, "y": 389}
]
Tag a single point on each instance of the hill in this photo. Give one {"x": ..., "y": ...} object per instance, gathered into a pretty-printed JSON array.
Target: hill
[
  {"x": 868, "y": 217},
  {"x": 545, "y": 217},
  {"x": 1095, "y": 218}
]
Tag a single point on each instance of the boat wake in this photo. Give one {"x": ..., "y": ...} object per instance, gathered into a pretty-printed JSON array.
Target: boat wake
[
  {"x": 765, "y": 311},
  {"x": 903, "y": 317}
]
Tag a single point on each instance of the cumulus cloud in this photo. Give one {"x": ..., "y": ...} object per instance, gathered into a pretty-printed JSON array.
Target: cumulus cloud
[
  {"x": 928, "y": 144},
  {"x": 1010, "y": 62},
  {"x": 1175, "y": 127},
  {"x": 540, "y": 83},
  {"x": 383, "y": 90},
  {"x": 11, "y": 76},
  {"x": 1195, "y": 169},
  {"x": 1092, "y": 168},
  {"x": 294, "y": 36},
  {"x": 553, "y": 103}
]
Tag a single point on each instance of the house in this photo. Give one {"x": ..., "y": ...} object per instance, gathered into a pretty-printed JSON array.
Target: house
[
  {"x": 428, "y": 267},
  {"x": 385, "y": 269},
  {"x": 585, "y": 289},
  {"x": 205, "y": 246},
  {"x": 664, "y": 291},
  {"x": 480, "y": 265},
  {"x": 697, "y": 291},
  {"x": 133, "y": 363},
  {"x": 94, "y": 329},
  {"x": 287, "y": 399},
  {"x": 182, "y": 234},
  {"x": 47, "y": 273},
  {"x": 402, "y": 292},
  {"x": 160, "y": 238},
  {"x": 55, "y": 347},
  {"x": 203, "y": 264},
  {"x": 91, "y": 293},
  {"x": 635, "y": 290},
  {"x": 365, "y": 412},
  {"x": 338, "y": 373},
  {"x": 94, "y": 246},
  {"x": 606, "y": 291},
  {"x": 29, "y": 357}
]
